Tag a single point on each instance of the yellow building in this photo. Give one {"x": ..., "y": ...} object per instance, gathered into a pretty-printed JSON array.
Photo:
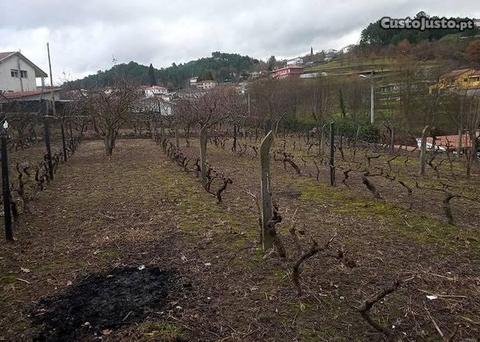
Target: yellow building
[{"x": 460, "y": 79}]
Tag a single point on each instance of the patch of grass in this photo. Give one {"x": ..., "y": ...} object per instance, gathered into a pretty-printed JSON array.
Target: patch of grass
[
  {"x": 7, "y": 279},
  {"x": 161, "y": 331},
  {"x": 417, "y": 227},
  {"x": 60, "y": 263},
  {"x": 280, "y": 275},
  {"x": 199, "y": 209},
  {"x": 110, "y": 253}
]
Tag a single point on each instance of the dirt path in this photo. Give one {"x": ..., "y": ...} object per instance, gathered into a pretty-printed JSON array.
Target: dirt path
[{"x": 107, "y": 216}]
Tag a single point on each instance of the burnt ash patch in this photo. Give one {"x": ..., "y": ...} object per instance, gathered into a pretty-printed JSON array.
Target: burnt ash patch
[{"x": 100, "y": 301}]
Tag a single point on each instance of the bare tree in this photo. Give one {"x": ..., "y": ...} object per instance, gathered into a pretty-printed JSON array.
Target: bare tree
[
  {"x": 208, "y": 109},
  {"x": 109, "y": 109}
]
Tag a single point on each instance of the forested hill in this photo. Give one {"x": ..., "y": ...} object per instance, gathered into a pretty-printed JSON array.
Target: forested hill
[
  {"x": 374, "y": 34},
  {"x": 220, "y": 67}
]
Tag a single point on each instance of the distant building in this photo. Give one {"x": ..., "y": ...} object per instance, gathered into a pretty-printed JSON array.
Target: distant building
[
  {"x": 295, "y": 61},
  {"x": 254, "y": 75},
  {"x": 460, "y": 79},
  {"x": 203, "y": 85},
  {"x": 310, "y": 75},
  {"x": 193, "y": 81},
  {"x": 155, "y": 90},
  {"x": 18, "y": 73},
  {"x": 155, "y": 104},
  {"x": 287, "y": 72},
  {"x": 206, "y": 85}
]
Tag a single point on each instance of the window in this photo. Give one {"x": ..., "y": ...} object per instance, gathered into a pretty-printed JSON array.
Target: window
[
  {"x": 14, "y": 73},
  {"x": 23, "y": 73}
]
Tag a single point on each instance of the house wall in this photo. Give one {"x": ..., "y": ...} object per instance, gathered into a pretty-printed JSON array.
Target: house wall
[
  {"x": 205, "y": 85},
  {"x": 9, "y": 83},
  {"x": 468, "y": 81}
]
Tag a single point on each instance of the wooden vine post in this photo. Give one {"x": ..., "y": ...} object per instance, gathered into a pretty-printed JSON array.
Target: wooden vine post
[
  {"x": 392, "y": 140},
  {"x": 332, "y": 154},
  {"x": 6, "y": 184},
  {"x": 64, "y": 144},
  {"x": 47, "y": 145},
  {"x": 203, "y": 154},
  {"x": 177, "y": 138},
  {"x": 321, "y": 145},
  {"x": 423, "y": 150},
  {"x": 266, "y": 194}
]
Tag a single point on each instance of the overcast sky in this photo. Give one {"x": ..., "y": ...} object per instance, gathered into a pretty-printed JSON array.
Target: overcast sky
[{"x": 86, "y": 35}]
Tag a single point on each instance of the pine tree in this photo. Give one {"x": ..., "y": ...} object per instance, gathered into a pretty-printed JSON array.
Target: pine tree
[
  {"x": 151, "y": 75},
  {"x": 271, "y": 63}
]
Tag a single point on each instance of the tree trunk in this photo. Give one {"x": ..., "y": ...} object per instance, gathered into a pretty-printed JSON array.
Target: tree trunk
[
  {"x": 203, "y": 154},
  {"x": 332, "y": 154},
  {"x": 187, "y": 136},
  {"x": 322, "y": 140},
  {"x": 423, "y": 150},
  {"x": 392, "y": 140},
  {"x": 108, "y": 145},
  {"x": 177, "y": 139},
  {"x": 234, "y": 147},
  {"x": 472, "y": 154},
  {"x": 459, "y": 142}
]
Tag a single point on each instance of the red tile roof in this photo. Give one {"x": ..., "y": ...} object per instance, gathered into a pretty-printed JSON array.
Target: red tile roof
[
  {"x": 11, "y": 95},
  {"x": 456, "y": 73}
]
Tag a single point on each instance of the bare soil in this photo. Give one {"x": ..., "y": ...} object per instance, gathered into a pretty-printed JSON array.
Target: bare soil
[{"x": 103, "y": 217}]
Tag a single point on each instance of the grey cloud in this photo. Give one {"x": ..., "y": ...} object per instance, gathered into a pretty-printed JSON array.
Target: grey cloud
[{"x": 84, "y": 35}]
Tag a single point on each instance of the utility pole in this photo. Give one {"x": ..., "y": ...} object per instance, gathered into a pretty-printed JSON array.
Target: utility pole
[
  {"x": 54, "y": 109},
  {"x": 19, "y": 73},
  {"x": 372, "y": 96},
  {"x": 51, "y": 81}
]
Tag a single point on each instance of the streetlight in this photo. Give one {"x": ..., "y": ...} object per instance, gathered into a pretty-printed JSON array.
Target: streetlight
[{"x": 372, "y": 98}]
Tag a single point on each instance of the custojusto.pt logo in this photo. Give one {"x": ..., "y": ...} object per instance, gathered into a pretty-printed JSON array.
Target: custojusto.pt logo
[{"x": 425, "y": 23}]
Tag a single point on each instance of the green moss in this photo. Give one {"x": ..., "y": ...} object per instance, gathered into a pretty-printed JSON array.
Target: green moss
[
  {"x": 161, "y": 331},
  {"x": 280, "y": 274},
  {"x": 198, "y": 208},
  {"x": 413, "y": 225},
  {"x": 64, "y": 263},
  {"x": 7, "y": 279},
  {"x": 110, "y": 253}
]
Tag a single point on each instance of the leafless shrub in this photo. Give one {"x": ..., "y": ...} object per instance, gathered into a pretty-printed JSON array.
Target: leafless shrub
[
  {"x": 314, "y": 249},
  {"x": 364, "y": 309}
]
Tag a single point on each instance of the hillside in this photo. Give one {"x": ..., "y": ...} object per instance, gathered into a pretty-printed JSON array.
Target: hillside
[{"x": 220, "y": 66}]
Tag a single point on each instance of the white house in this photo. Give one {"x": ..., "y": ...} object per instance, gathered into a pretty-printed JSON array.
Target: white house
[
  {"x": 18, "y": 73},
  {"x": 295, "y": 61},
  {"x": 206, "y": 85},
  {"x": 154, "y": 90}
]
